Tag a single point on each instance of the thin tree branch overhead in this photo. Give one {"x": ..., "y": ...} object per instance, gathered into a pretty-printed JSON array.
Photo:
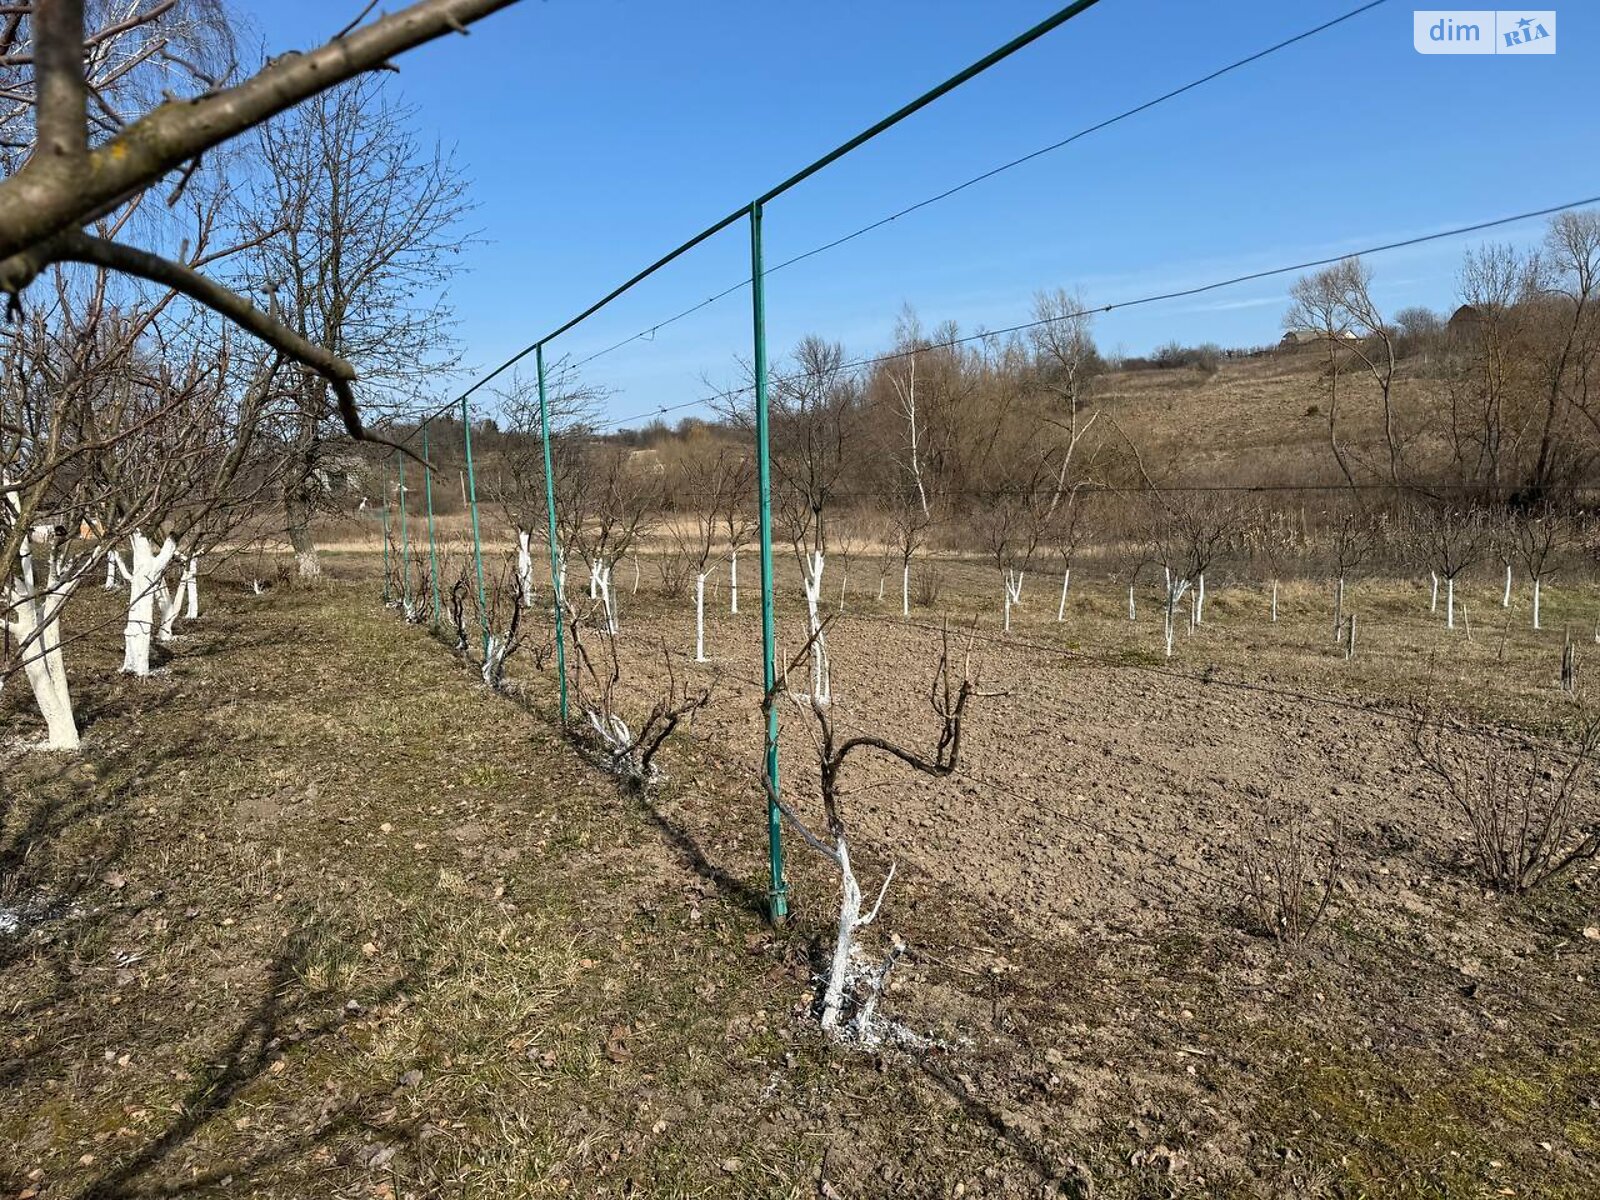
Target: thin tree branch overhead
[{"x": 68, "y": 182}]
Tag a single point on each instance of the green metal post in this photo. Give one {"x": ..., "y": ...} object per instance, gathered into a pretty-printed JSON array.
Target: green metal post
[
  {"x": 550, "y": 513},
  {"x": 779, "y": 894},
  {"x": 477, "y": 537},
  {"x": 433, "y": 546},
  {"x": 405, "y": 542},
  {"x": 386, "y": 548}
]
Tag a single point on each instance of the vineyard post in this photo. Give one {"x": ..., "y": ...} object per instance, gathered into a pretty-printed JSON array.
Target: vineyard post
[
  {"x": 433, "y": 546},
  {"x": 550, "y": 516},
  {"x": 405, "y": 543},
  {"x": 779, "y": 899},
  {"x": 477, "y": 537}
]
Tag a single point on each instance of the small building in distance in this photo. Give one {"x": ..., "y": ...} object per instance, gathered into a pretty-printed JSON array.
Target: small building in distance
[
  {"x": 1296, "y": 339},
  {"x": 1465, "y": 320}
]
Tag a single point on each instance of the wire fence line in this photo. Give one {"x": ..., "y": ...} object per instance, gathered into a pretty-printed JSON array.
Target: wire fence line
[{"x": 428, "y": 596}]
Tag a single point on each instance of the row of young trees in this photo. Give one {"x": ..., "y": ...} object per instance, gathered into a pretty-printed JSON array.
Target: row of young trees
[{"x": 1451, "y": 443}]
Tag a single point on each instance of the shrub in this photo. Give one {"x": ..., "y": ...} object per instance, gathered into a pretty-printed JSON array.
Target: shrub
[
  {"x": 1289, "y": 874},
  {"x": 1531, "y": 812}
]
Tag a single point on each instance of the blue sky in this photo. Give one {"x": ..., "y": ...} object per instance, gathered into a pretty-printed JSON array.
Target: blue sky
[{"x": 600, "y": 133}]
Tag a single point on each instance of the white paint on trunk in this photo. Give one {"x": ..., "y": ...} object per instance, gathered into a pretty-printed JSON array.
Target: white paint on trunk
[
  {"x": 1175, "y": 590},
  {"x": 1536, "y": 603},
  {"x": 146, "y": 566},
  {"x": 733, "y": 582},
  {"x": 1433, "y": 601},
  {"x": 191, "y": 587},
  {"x": 1133, "y": 611},
  {"x": 34, "y": 623},
  {"x": 1505, "y": 597},
  {"x": 1450, "y": 603},
  {"x": 700, "y": 617},
  {"x": 1013, "y": 587},
  {"x": 1274, "y": 601},
  {"x": 1066, "y": 582},
  {"x": 820, "y": 679},
  {"x": 600, "y": 581},
  {"x": 1200, "y": 600},
  {"x": 1338, "y": 609},
  {"x": 905, "y": 590},
  {"x": 111, "y": 571},
  {"x": 525, "y": 564}
]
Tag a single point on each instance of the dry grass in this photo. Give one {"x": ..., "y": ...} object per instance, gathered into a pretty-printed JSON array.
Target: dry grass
[{"x": 315, "y": 914}]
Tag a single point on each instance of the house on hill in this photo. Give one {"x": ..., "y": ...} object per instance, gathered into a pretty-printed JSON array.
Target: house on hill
[
  {"x": 1295, "y": 339},
  {"x": 1466, "y": 319}
]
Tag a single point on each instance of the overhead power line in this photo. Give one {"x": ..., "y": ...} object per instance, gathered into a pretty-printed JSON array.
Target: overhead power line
[
  {"x": 984, "y": 176},
  {"x": 1137, "y": 301}
]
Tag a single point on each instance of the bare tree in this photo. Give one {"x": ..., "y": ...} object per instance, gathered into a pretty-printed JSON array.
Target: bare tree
[
  {"x": 851, "y": 992},
  {"x": 89, "y": 159},
  {"x": 1531, "y": 811},
  {"x": 1539, "y": 534},
  {"x": 357, "y": 229}
]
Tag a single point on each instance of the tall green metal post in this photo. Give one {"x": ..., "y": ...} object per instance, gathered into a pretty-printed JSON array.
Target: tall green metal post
[
  {"x": 405, "y": 542},
  {"x": 386, "y": 548},
  {"x": 550, "y": 513},
  {"x": 779, "y": 892},
  {"x": 433, "y": 546},
  {"x": 477, "y": 537}
]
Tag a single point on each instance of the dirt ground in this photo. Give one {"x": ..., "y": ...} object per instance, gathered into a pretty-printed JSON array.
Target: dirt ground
[{"x": 315, "y": 914}]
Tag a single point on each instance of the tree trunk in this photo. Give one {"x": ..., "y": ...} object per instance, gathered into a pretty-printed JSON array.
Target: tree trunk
[
  {"x": 145, "y": 569},
  {"x": 700, "y": 617},
  {"x": 733, "y": 582},
  {"x": 36, "y": 624},
  {"x": 1536, "y": 604},
  {"x": 1450, "y": 603},
  {"x": 191, "y": 586},
  {"x": 297, "y": 524},
  {"x": 849, "y": 918},
  {"x": 1066, "y": 582},
  {"x": 1274, "y": 601}
]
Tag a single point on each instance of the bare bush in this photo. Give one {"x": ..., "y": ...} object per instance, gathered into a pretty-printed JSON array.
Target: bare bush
[
  {"x": 853, "y": 984},
  {"x": 1531, "y": 811},
  {"x": 625, "y": 749},
  {"x": 1290, "y": 873}
]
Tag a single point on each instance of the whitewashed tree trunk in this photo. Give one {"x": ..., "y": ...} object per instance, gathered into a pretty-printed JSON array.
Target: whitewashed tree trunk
[
  {"x": 1013, "y": 588},
  {"x": 525, "y": 564},
  {"x": 1505, "y": 597},
  {"x": 1536, "y": 603},
  {"x": 844, "y": 581},
  {"x": 634, "y": 590},
  {"x": 733, "y": 582},
  {"x": 1200, "y": 599},
  {"x": 35, "y": 624},
  {"x": 1274, "y": 601},
  {"x": 1066, "y": 582},
  {"x": 111, "y": 571},
  {"x": 700, "y": 617},
  {"x": 600, "y": 580},
  {"x": 1175, "y": 590},
  {"x": 849, "y": 922},
  {"x": 191, "y": 587},
  {"x": 145, "y": 569},
  {"x": 1450, "y": 603},
  {"x": 813, "y": 565},
  {"x": 168, "y": 601},
  {"x": 1133, "y": 611},
  {"x": 905, "y": 590},
  {"x": 1433, "y": 601},
  {"x": 1338, "y": 609}
]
